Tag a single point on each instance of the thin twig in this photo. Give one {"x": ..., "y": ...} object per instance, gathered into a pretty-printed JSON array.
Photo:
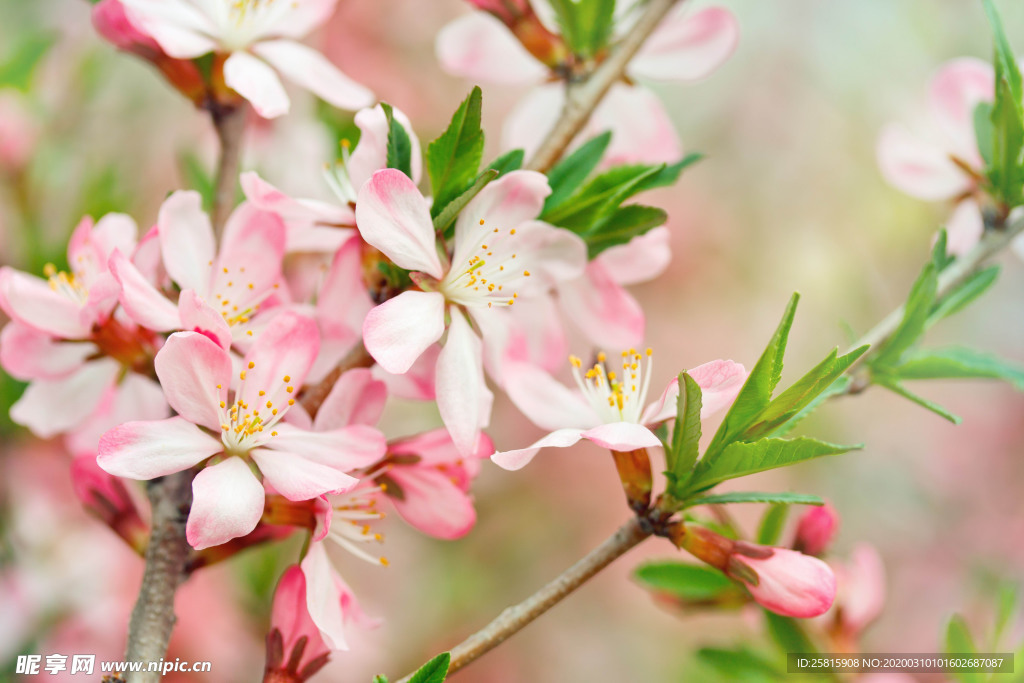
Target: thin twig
[
  {"x": 514, "y": 618},
  {"x": 583, "y": 96},
  {"x": 313, "y": 397},
  {"x": 230, "y": 125}
]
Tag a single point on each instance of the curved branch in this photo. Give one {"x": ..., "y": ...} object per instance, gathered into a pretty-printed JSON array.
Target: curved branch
[{"x": 230, "y": 125}]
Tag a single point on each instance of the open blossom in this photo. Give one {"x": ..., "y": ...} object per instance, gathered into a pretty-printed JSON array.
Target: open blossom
[
  {"x": 861, "y": 596},
  {"x": 221, "y": 289},
  {"x": 244, "y": 410},
  {"x": 686, "y": 47},
  {"x": 500, "y": 253},
  {"x": 610, "y": 407},
  {"x": 259, "y": 39}
]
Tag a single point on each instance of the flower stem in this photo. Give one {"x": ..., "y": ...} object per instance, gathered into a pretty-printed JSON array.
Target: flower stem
[{"x": 230, "y": 125}]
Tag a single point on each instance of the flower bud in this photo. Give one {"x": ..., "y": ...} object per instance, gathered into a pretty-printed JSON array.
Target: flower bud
[
  {"x": 106, "y": 497},
  {"x": 784, "y": 581},
  {"x": 816, "y": 529},
  {"x": 295, "y": 648},
  {"x": 527, "y": 27}
]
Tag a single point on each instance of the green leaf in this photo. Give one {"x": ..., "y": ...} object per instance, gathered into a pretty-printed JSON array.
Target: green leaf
[
  {"x": 1006, "y": 604},
  {"x": 940, "y": 256},
  {"x": 959, "y": 641},
  {"x": 433, "y": 671},
  {"x": 756, "y": 393},
  {"x": 840, "y": 386},
  {"x": 915, "y": 315},
  {"x": 963, "y": 294},
  {"x": 399, "y": 143},
  {"x": 772, "y": 523},
  {"x": 682, "y": 456},
  {"x": 788, "y": 634},
  {"x": 959, "y": 362},
  {"x": 983, "y": 132},
  {"x": 741, "y": 664},
  {"x": 447, "y": 217},
  {"x": 623, "y": 225},
  {"x": 586, "y": 24},
  {"x": 18, "y": 67},
  {"x": 756, "y": 497},
  {"x": 1006, "y": 171},
  {"x": 892, "y": 383},
  {"x": 380, "y": 678},
  {"x": 688, "y": 582},
  {"x": 739, "y": 459},
  {"x": 507, "y": 162},
  {"x": 568, "y": 174},
  {"x": 453, "y": 158},
  {"x": 793, "y": 400}
]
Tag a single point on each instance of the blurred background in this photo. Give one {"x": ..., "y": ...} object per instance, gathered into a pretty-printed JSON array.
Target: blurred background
[{"x": 788, "y": 199}]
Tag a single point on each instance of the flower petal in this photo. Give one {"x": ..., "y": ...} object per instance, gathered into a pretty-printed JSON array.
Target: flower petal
[
  {"x": 198, "y": 316},
  {"x": 268, "y": 198},
  {"x": 227, "y": 502},
  {"x": 479, "y": 47},
  {"x": 51, "y": 406},
  {"x": 463, "y": 398},
  {"x": 504, "y": 204},
  {"x": 606, "y": 313},
  {"x": 27, "y": 354},
  {"x": 303, "y": 17},
  {"x": 719, "y": 380},
  {"x": 393, "y": 216},
  {"x": 310, "y": 69},
  {"x": 643, "y": 258},
  {"x": 31, "y": 301},
  {"x": 254, "y": 80},
  {"x": 356, "y": 398},
  {"x": 917, "y": 168},
  {"x": 400, "y": 329},
  {"x": 431, "y": 503},
  {"x": 182, "y": 30},
  {"x": 964, "y": 228},
  {"x": 249, "y": 263},
  {"x": 325, "y": 596},
  {"x": 959, "y": 86},
  {"x": 371, "y": 154},
  {"x": 140, "y": 299},
  {"x": 532, "y": 119},
  {"x": 146, "y": 450},
  {"x": 688, "y": 47},
  {"x": 186, "y": 241},
  {"x": 545, "y": 401},
  {"x": 622, "y": 436},
  {"x": 517, "y": 459},
  {"x": 344, "y": 448},
  {"x": 286, "y": 348},
  {"x": 298, "y": 478},
  {"x": 132, "y": 399},
  {"x": 642, "y": 131},
  {"x": 195, "y": 373}
]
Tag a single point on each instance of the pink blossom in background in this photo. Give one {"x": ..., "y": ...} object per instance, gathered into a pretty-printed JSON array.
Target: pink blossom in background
[{"x": 19, "y": 130}]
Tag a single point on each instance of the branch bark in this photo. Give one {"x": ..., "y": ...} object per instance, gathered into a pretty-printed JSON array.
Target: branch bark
[
  {"x": 230, "y": 125},
  {"x": 582, "y": 97},
  {"x": 515, "y": 618}
]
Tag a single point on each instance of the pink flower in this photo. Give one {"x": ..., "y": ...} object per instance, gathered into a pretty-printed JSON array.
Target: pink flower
[
  {"x": 861, "y": 595},
  {"x": 107, "y": 498},
  {"x": 19, "y": 130},
  {"x": 259, "y": 39},
  {"x": 221, "y": 290},
  {"x": 784, "y": 581},
  {"x": 500, "y": 253},
  {"x": 245, "y": 413},
  {"x": 609, "y": 408},
  {"x": 816, "y": 529},
  {"x": 685, "y": 48}
]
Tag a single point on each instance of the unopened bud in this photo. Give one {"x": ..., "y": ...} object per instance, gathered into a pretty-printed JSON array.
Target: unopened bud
[
  {"x": 106, "y": 497},
  {"x": 634, "y": 469},
  {"x": 816, "y": 529},
  {"x": 785, "y": 581}
]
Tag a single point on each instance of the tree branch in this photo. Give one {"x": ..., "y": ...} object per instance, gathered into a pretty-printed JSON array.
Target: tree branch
[
  {"x": 230, "y": 125},
  {"x": 514, "y": 618},
  {"x": 313, "y": 397},
  {"x": 583, "y": 96}
]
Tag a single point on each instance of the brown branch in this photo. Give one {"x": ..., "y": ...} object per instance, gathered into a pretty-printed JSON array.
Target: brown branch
[
  {"x": 313, "y": 397},
  {"x": 583, "y": 96},
  {"x": 230, "y": 125},
  {"x": 514, "y": 618},
  {"x": 152, "y": 620}
]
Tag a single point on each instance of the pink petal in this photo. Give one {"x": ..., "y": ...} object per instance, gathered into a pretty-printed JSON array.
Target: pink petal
[
  {"x": 959, "y": 86},
  {"x": 325, "y": 596},
  {"x": 145, "y": 450},
  {"x": 792, "y": 584},
  {"x": 186, "y": 241},
  {"x": 417, "y": 383},
  {"x": 29, "y": 300},
  {"x": 254, "y": 80},
  {"x": 688, "y": 47},
  {"x": 344, "y": 448},
  {"x": 303, "y": 17},
  {"x": 249, "y": 263},
  {"x": 227, "y": 502},
  {"x": 479, "y": 47},
  {"x": 268, "y": 198},
  {"x": 141, "y": 300},
  {"x": 51, "y": 406},
  {"x": 285, "y": 349},
  {"x": 532, "y": 331},
  {"x": 400, "y": 329},
  {"x": 371, "y": 154},
  {"x": 290, "y": 616},
  {"x": 435, "y": 448},
  {"x": 310, "y": 69},
  {"x": 642, "y": 131},
  {"x": 504, "y": 204},
  {"x": 182, "y": 30},
  {"x": 719, "y": 380},
  {"x": 298, "y": 478},
  {"x": 343, "y": 302},
  {"x": 517, "y": 459},
  {"x": 531, "y": 119},
  {"x": 27, "y": 353},
  {"x": 195, "y": 373},
  {"x": 643, "y": 258},
  {"x": 546, "y": 402},
  {"x": 393, "y": 216},
  {"x": 622, "y": 436},
  {"x": 356, "y": 398},
  {"x": 964, "y": 228},
  {"x": 554, "y": 255},
  {"x": 606, "y": 313},
  {"x": 115, "y": 231},
  {"x": 917, "y": 168},
  {"x": 861, "y": 586},
  {"x": 462, "y": 396},
  {"x": 133, "y": 398},
  {"x": 432, "y": 503},
  {"x": 198, "y": 316}
]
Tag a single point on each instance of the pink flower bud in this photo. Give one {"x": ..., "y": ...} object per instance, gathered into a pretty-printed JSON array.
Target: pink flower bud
[
  {"x": 506, "y": 10},
  {"x": 816, "y": 529},
  {"x": 106, "y": 497},
  {"x": 295, "y": 648},
  {"x": 784, "y": 581},
  {"x": 110, "y": 21}
]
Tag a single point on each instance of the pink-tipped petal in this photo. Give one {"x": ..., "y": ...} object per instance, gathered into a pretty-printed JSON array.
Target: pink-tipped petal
[
  {"x": 532, "y": 119},
  {"x": 227, "y": 503},
  {"x": 504, "y": 204},
  {"x": 435, "y": 448},
  {"x": 27, "y": 353},
  {"x": 430, "y": 502},
  {"x": 917, "y": 168},
  {"x": 198, "y": 316},
  {"x": 182, "y": 30},
  {"x": 303, "y": 17},
  {"x": 400, "y": 329},
  {"x": 290, "y": 616},
  {"x": 254, "y": 80},
  {"x": 310, "y": 69},
  {"x": 622, "y": 436},
  {"x": 195, "y": 373},
  {"x": 955, "y": 91},
  {"x": 688, "y": 47},
  {"x": 719, "y": 380},
  {"x": 131, "y": 399},
  {"x": 326, "y": 595},
  {"x": 299, "y": 478},
  {"x": 643, "y": 258},
  {"x": 861, "y": 585},
  {"x": 186, "y": 240},
  {"x": 606, "y": 313},
  {"x": 393, "y": 216},
  {"x": 249, "y": 263},
  {"x": 31, "y": 301},
  {"x": 555, "y": 255},
  {"x": 285, "y": 349},
  {"x": 479, "y": 47},
  {"x": 344, "y": 448},
  {"x": 145, "y": 450},
  {"x": 356, "y": 398},
  {"x": 517, "y": 459},
  {"x": 642, "y": 132},
  {"x": 52, "y": 406},
  {"x": 140, "y": 299},
  {"x": 463, "y": 398},
  {"x": 343, "y": 302},
  {"x": 269, "y": 198},
  {"x": 545, "y": 401}
]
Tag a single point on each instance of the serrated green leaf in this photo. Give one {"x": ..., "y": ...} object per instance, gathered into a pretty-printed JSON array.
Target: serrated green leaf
[
  {"x": 433, "y": 671},
  {"x": 959, "y": 641},
  {"x": 958, "y": 362},
  {"x": 966, "y": 292},
  {"x": 756, "y": 497},
  {"x": 623, "y": 225},
  {"x": 983, "y": 133},
  {"x": 454, "y": 157},
  {"x": 689, "y": 582},
  {"x": 399, "y": 144},
  {"x": 790, "y": 402},
  {"x": 840, "y": 386},
  {"x": 739, "y": 459},
  {"x": 568, "y": 174},
  {"x": 788, "y": 633},
  {"x": 507, "y": 162},
  {"x": 599, "y": 197},
  {"x": 915, "y": 315},
  {"x": 756, "y": 393},
  {"x": 893, "y": 384},
  {"x": 447, "y": 217},
  {"x": 740, "y": 664},
  {"x": 682, "y": 456},
  {"x": 17, "y": 69},
  {"x": 772, "y": 523}
]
